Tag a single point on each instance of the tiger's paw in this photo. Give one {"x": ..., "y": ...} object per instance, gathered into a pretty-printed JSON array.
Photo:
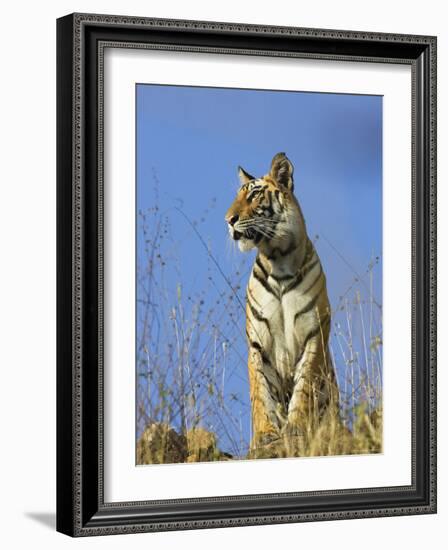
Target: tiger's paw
[
  {"x": 267, "y": 439},
  {"x": 267, "y": 445},
  {"x": 294, "y": 439},
  {"x": 292, "y": 428}
]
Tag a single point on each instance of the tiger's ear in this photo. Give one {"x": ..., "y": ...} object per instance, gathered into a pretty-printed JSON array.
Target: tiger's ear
[
  {"x": 282, "y": 171},
  {"x": 244, "y": 176}
]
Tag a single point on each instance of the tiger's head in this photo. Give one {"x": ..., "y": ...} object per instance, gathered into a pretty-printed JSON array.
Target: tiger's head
[{"x": 265, "y": 213}]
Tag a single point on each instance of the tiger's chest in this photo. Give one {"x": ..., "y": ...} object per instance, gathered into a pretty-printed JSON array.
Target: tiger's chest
[{"x": 278, "y": 319}]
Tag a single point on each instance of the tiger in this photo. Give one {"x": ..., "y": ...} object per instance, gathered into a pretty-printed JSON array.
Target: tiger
[{"x": 292, "y": 380}]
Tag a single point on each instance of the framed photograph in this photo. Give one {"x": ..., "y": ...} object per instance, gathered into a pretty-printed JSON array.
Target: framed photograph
[{"x": 246, "y": 274}]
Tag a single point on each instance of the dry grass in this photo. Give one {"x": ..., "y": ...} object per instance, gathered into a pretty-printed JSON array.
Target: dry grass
[
  {"x": 161, "y": 444},
  {"x": 330, "y": 438}
]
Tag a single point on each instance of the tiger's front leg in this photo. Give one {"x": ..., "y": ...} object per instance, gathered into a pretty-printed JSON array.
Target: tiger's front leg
[
  {"x": 267, "y": 416},
  {"x": 310, "y": 396}
]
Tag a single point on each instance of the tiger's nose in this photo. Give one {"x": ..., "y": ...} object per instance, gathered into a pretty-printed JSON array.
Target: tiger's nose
[{"x": 231, "y": 220}]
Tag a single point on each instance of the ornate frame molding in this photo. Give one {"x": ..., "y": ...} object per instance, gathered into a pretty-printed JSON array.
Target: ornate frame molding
[{"x": 81, "y": 42}]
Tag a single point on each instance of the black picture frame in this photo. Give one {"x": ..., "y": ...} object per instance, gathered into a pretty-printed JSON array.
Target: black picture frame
[{"x": 81, "y": 510}]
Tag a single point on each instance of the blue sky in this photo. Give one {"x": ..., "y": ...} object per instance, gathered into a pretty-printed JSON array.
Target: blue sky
[{"x": 189, "y": 143}]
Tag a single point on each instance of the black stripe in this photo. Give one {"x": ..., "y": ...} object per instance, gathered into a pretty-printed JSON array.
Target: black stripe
[
  {"x": 310, "y": 335},
  {"x": 263, "y": 354},
  {"x": 305, "y": 393},
  {"x": 273, "y": 389},
  {"x": 290, "y": 249},
  {"x": 276, "y": 252},
  {"x": 261, "y": 266},
  {"x": 314, "y": 281},
  {"x": 309, "y": 251},
  {"x": 264, "y": 283},
  {"x": 300, "y": 276},
  {"x": 309, "y": 266},
  {"x": 252, "y": 297},
  {"x": 265, "y": 358},
  {"x": 282, "y": 277},
  {"x": 269, "y": 208},
  {"x": 255, "y": 345},
  {"x": 323, "y": 321},
  {"x": 251, "y": 194},
  {"x": 258, "y": 316},
  {"x": 309, "y": 306},
  {"x": 326, "y": 319}
]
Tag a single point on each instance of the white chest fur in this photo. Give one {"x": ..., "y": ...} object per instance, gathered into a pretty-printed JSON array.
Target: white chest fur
[{"x": 275, "y": 321}]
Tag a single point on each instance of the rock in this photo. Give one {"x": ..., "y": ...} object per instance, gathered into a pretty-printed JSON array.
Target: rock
[
  {"x": 161, "y": 444},
  {"x": 202, "y": 446}
]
